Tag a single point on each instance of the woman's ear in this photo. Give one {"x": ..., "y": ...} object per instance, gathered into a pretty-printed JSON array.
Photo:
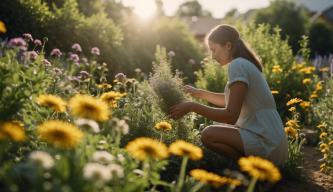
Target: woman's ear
[{"x": 228, "y": 46}]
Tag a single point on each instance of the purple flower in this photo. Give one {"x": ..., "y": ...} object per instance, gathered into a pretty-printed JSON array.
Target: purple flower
[
  {"x": 46, "y": 62},
  {"x": 28, "y": 37},
  {"x": 121, "y": 77},
  {"x": 84, "y": 74},
  {"x": 32, "y": 55},
  {"x": 37, "y": 42},
  {"x": 75, "y": 58},
  {"x": 171, "y": 54},
  {"x": 18, "y": 42},
  {"x": 95, "y": 51},
  {"x": 56, "y": 52},
  {"x": 77, "y": 47}
]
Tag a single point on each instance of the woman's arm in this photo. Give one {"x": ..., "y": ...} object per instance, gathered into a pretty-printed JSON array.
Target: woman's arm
[{"x": 217, "y": 99}]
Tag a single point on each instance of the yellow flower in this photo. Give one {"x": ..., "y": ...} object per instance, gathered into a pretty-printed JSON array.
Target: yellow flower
[
  {"x": 274, "y": 92},
  {"x": 104, "y": 86},
  {"x": 323, "y": 135},
  {"x": 277, "y": 69},
  {"x": 324, "y": 69},
  {"x": 2, "y": 27},
  {"x": 330, "y": 143},
  {"x": 111, "y": 98},
  {"x": 292, "y": 123},
  {"x": 259, "y": 168},
  {"x": 319, "y": 86},
  {"x": 307, "y": 70},
  {"x": 324, "y": 148},
  {"x": 292, "y": 109},
  {"x": 163, "y": 125},
  {"x": 182, "y": 148},
  {"x": 305, "y": 104},
  {"x": 298, "y": 66},
  {"x": 144, "y": 147},
  {"x": 306, "y": 81},
  {"x": 13, "y": 130},
  {"x": 60, "y": 134},
  {"x": 294, "y": 101},
  {"x": 206, "y": 177},
  {"x": 322, "y": 125},
  {"x": 313, "y": 96},
  {"x": 88, "y": 107},
  {"x": 52, "y": 101},
  {"x": 323, "y": 167},
  {"x": 291, "y": 131}
]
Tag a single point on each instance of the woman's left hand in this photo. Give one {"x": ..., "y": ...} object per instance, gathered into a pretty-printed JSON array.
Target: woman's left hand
[{"x": 179, "y": 110}]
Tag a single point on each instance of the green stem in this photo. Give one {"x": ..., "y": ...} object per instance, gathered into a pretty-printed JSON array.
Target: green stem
[
  {"x": 182, "y": 174},
  {"x": 252, "y": 184},
  {"x": 197, "y": 187}
]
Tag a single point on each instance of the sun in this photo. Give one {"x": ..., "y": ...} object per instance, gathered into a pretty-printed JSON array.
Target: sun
[{"x": 144, "y": 9}]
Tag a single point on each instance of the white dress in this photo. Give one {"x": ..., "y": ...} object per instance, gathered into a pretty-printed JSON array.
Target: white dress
[{"x": 259, "y": 123}]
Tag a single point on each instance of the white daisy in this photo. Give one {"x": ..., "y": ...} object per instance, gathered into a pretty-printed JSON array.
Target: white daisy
[
  {"x": 96, "y": 172},
  {"x": 122, "y": 127},
  {"x": 102, "y": 157},
  {"x": 116, "y": 170},
  {"x": 88, "y": 124},
  {"x": 42, "y": 158}
]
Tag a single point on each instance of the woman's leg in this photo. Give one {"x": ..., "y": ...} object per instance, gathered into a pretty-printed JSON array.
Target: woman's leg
[{"x": 225, "y": 140}]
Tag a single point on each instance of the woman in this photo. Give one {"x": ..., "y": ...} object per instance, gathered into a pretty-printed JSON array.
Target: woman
[{"x": 251, "y": 124}]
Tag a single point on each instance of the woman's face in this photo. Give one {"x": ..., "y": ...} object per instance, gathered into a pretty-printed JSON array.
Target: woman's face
[{"x": 221, "y": 53}]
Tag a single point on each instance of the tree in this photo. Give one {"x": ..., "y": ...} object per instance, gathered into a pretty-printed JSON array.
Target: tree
[
  {"x": 292, "y": 20},
  {"x": 321, "y": 38},
  {"x": 192, "y": 8}
]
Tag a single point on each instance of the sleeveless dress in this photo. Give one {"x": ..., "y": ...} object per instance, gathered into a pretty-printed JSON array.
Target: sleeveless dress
[{"x": 259, "y": 123}]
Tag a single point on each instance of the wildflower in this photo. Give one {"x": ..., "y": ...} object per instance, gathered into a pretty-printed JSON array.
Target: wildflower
[
  {"x": 323, "y": 167},
  {"x": 292, "y": 109},
  {"x": 137, "y": 70},
  {"x": 42, "y": 159},
  {"x": 28, "y": 37},
  {"x": 191, "y": 61},
  {"x": 46, "y": 63},
  {"x": 330, "y": 143},
  {"x": 182, "y": 148},
  {"x": 18, "y": 42},
  {"x": 324, "y": 69},
  {"x": 88, "y": 107},
  {"x": 319, "y": 86},
  {"x": 32, "y": 55},
  {"x": 84, "y": 74},
  {"x": 143, "y": 148},
  {"x": 259, "y": 168},
  {"x": 88, "y": 124},
  {"x": 121, "y": 77},
  {"x": 96, "y": 172},
  {"x": 102, "y": 157},
  {"x": 37, "y": 42},
  {"x": 104, "y": 86},
  {"x": 95, "y": 51},
  {"x": 52, "y": 101},
  {"x": 111, "y": 98},
  {"x": 120, "y": 158},
  {"x": 56, "y": 52},
  {"x": 294, "y": 101},
  {"x": 305, "y": 104},
  {"x": 324, "y": 148},
  {"x": 122, "y": 127},
  {"x": 291, "y": 131},
  {"x": 209, "y": 178},
  {"x": 292, "y": 123},
  {"x": 116, "y": 170},
  {"x": 323, "y": 135},
  {"x": 163, "y": 125},
  {"x": 306, "y": 81},
  {"x": 60, "y": 134},
  {"x": 3, "y": 28},
  {"x": 75, "y": 58},
  {"x": 274, "y": 92},
  {"x": 171, "y": 54},
  {"x": 13, "y": 130},
  {"x": 313, "y": 96},
  {"x": 322, "y": 125},
  {"x": 277, "y": 69},
  {"x": 77, "y": 47},
  {"x": 307, "y": 70}
]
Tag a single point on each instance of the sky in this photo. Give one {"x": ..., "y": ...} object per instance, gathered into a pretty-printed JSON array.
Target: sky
[{"x": 218, "y": 8}]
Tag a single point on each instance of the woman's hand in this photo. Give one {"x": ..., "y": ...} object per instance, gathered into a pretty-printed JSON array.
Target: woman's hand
[
  {"x": 179, "y": 110},
  {"x": 194, "y": 92}
]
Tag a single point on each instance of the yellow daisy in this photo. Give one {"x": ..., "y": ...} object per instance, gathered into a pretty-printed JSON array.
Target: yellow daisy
[
  {"x": 59, "y": 133},
  {"x": 13, "y": 130},
  {"x": 324, "y": 148},
  {"x": 277, "y": 69},
  {"x": 305, "y": 104},
  {"x": 330, "y": 143},
  {"x": 306, "y": 81},
  {"x": 3, "y": 28},
  {"x": 313, "y": 96},
  {"x": 292, "y": 109},
  {"x": 182, "y": 148},
  {"x": 111, "y": 97},
  {"x": 319, "y": 86},
  {"x": 163, "y": 125},
  {"x": 294, "y": 101},
  {"x": 323, "y": 135},
  {"x": 323, "y": 167},
  {"x": 88, "y": 107},
  {"x": 206, "y": 177},
  {"x": 322, "y": 125},
  {"x": 274, "y": 92},
  {"x": 144, "y": 147},
  {"x": 291, "y": 131},
  {"x": 292, "y": 123},
  {"x": 55, "y": 102},
  {"x": 259, "y": 168},
  {"x": 104, "y": 86}
]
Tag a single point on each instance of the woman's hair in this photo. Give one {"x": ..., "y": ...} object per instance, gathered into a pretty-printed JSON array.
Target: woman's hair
[{"x": 222, "y": 34}]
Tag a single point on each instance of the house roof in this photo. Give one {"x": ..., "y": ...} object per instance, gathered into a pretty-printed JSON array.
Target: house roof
[{"x": 200, "y": 26}]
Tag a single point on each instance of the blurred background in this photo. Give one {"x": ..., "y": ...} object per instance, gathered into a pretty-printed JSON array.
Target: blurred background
[{"x": 127, "y": 31}]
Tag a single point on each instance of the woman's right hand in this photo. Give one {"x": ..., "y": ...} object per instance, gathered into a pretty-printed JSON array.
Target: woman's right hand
[{"x": 194, "y": 92}]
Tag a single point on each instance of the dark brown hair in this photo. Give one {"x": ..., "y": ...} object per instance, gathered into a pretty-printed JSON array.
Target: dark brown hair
[{"x": 222, "y": 34}]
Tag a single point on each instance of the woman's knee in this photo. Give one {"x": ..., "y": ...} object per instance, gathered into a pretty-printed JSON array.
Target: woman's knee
[{"x": 206, "y": 135}]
